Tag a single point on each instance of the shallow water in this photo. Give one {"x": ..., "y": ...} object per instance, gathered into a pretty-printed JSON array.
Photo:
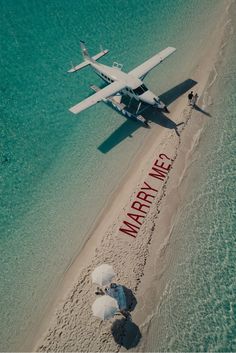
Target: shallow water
[
  {"x": 197, "y": 312},
  {"x": 54, "y": 180}
]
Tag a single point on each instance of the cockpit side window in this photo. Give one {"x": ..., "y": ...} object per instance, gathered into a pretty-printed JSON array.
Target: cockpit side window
[
  {"x": 144, "y": 87},
  {"x": 140, "y": 90}
]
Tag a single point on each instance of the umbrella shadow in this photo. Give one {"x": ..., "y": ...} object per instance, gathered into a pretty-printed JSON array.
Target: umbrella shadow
[
  {"x": 198, "y": 109},
  {"x": 126, "y": 333},
  {"x": 131, "y": 301}
]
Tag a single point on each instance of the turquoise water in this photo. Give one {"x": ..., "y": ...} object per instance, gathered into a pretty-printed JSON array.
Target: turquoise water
[
  {"x": 54, "y": 180},
  {"x": 197, "y": 312}
]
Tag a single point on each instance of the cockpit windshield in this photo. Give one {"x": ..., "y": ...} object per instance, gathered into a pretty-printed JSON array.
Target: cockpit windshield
[{"x": 140, "y": 90}]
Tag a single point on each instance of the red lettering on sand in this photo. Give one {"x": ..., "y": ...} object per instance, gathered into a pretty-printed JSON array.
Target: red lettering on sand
[
  {"x": 148, "y": 187},
  {"x": 163, "y": 154},
  {"x": 135, "y": 217},
  {"x": 145, "y": 196},
  {"x": 140, "y": 206},
  {"x": 162, "y": 165},
  {"x": 160, "y": 174},
  {"x": 130, "y": 230}
]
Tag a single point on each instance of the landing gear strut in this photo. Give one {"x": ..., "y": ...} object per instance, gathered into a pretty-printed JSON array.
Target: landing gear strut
[{"x": 166, "y": 109}]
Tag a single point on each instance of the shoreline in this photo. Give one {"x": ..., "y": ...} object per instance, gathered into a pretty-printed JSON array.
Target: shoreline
[
  {"x": 162, "y": 257},
  {"x": 97, "y": 248}
]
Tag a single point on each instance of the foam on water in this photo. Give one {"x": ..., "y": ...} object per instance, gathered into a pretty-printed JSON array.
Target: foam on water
[
  {"x": 198, "y": 312},
  {"x": 54, "y": 180}
]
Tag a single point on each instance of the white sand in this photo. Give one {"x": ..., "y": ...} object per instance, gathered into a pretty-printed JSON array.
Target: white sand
[{"x": 70, "y": 325}]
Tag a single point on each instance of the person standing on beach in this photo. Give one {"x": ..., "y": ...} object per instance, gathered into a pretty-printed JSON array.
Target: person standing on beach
[
  {"x": 190, "y": 97},
  {"x": 194, "y": 99}
]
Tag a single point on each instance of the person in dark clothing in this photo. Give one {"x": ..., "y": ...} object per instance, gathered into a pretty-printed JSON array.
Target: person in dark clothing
[{"x": 190, "y": 97}]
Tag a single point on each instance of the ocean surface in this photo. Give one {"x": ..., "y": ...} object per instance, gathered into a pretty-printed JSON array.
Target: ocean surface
[
  {"x": 197, "y": 310},
  {"x": 55, "y": 177}
]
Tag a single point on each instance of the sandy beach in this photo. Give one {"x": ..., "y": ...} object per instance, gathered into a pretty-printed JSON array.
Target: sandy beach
[{"x": 147, "y": 198}]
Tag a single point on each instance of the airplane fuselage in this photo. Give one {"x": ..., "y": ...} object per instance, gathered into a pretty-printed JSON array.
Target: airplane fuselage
[
  {"x": 135, "y": 87},
  {"x": 120, "y": 82}
]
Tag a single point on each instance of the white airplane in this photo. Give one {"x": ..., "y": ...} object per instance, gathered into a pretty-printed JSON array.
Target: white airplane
[{"x": 130, "y": 83}]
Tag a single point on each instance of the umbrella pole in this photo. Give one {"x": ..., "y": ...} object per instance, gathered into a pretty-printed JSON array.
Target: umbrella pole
[{"x": 99, "y": 291}]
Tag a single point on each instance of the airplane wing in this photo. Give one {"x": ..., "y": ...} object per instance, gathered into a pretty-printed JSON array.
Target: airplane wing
[
  {"x": 98, "y": 96},
  {"x": 141, "y": 70}
]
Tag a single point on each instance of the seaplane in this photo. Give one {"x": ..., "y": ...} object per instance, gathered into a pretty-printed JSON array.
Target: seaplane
[{"x": 122, "y": 84}]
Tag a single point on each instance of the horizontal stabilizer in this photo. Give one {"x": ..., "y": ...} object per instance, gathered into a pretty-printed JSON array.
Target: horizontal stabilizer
[
  {"x": 99, "y": 55},
  {"x": 79, "y": 67},
  {"x": 88, "y": 62}
]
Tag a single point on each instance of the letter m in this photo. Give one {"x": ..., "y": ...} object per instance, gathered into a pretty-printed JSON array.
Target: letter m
[
  {"x": 159, "y": 174},
  {"x": 130, "y": 230}
]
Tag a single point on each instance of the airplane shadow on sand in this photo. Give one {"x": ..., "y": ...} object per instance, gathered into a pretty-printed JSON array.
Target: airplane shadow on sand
[{"x": 152, "y": 114}]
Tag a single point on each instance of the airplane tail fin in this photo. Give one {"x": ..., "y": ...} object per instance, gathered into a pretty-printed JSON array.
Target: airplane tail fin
[
  {"x": 87, "y": 58},
  {"x": 84, "y": 51}
]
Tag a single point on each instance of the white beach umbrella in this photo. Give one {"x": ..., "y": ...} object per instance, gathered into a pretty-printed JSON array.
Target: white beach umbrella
[
  {"x": 103, "y": 274},
  {"x": 105, "y": 307}
]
